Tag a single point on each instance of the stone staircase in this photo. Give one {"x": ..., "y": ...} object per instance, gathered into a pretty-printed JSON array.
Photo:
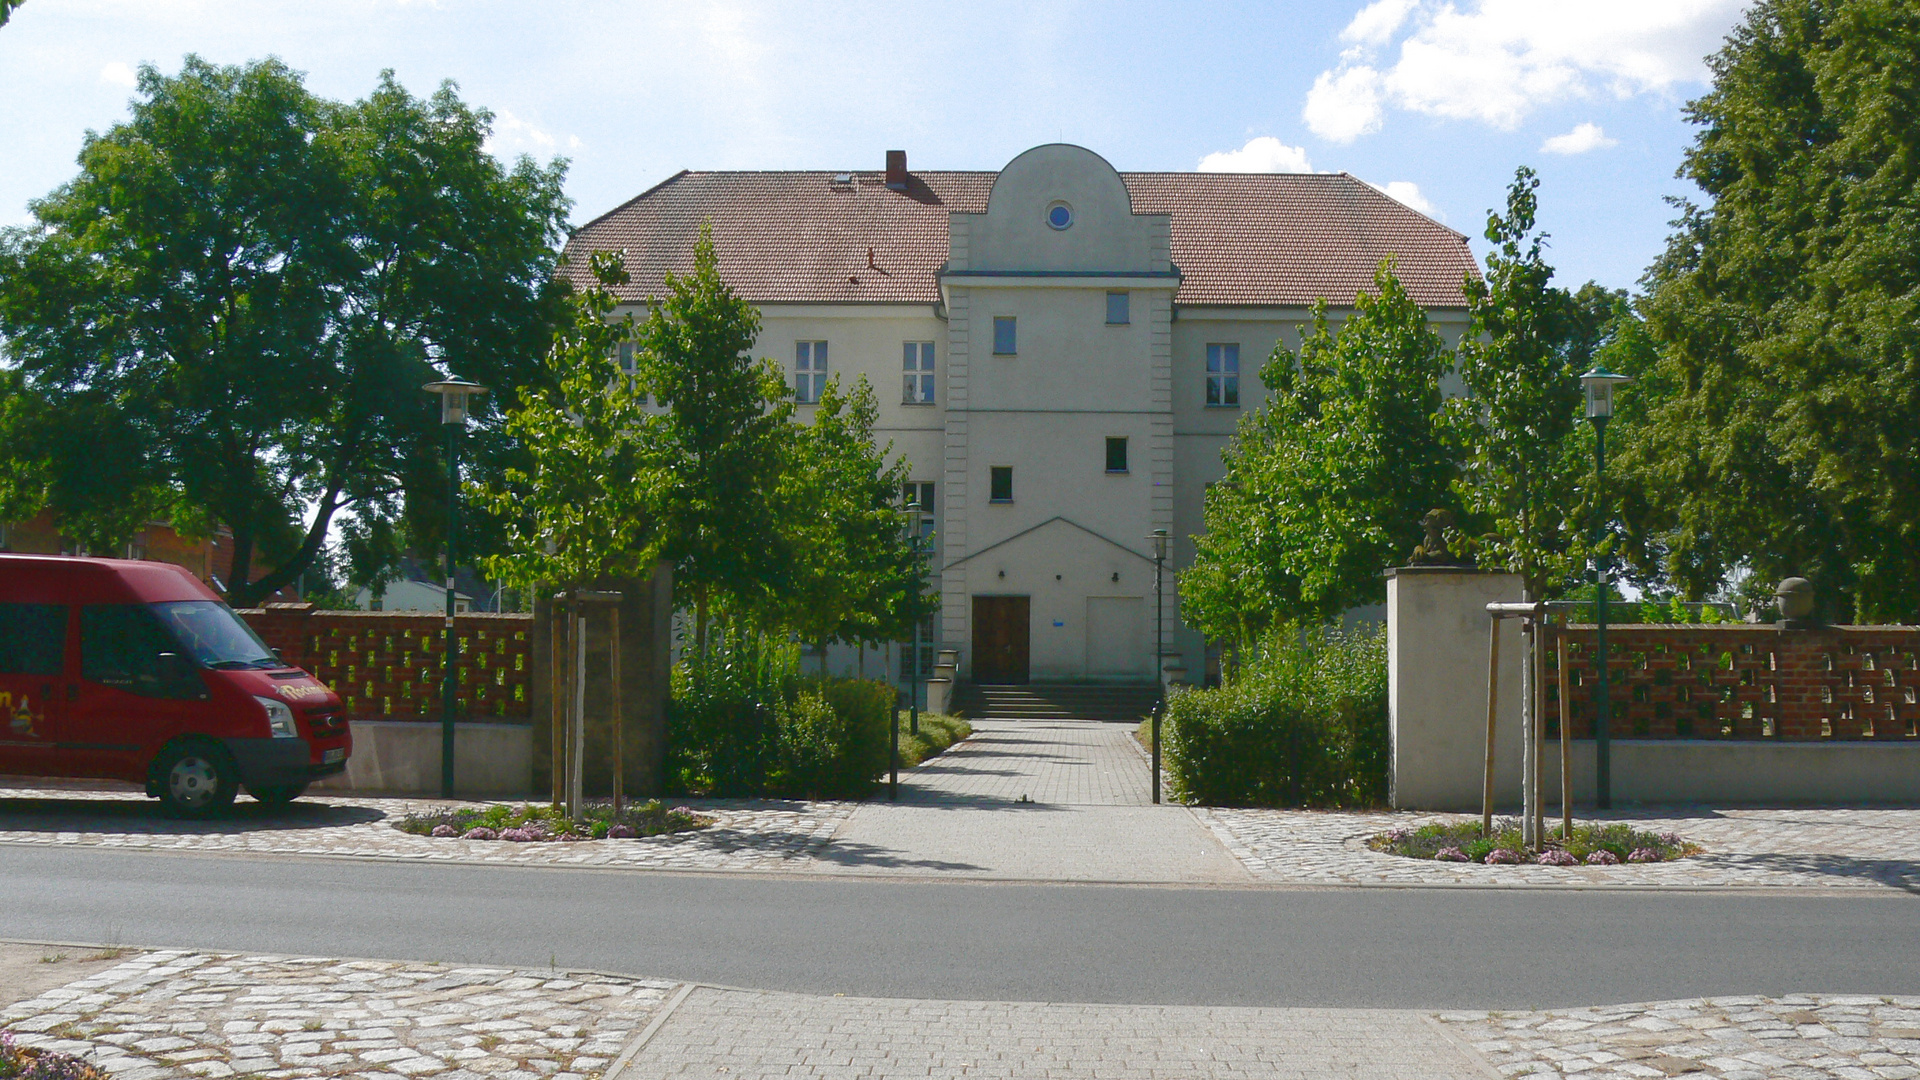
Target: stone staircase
[{"x": 1116, "y": 702}]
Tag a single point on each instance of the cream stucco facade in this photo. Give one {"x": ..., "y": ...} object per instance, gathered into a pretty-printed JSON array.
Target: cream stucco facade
[{"x": 1072, "y": 537}]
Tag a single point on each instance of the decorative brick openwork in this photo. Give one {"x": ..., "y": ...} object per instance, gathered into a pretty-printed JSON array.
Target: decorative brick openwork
[
  {"x": 1745, "y": 682},
  {"x": 386, "y": 665}
]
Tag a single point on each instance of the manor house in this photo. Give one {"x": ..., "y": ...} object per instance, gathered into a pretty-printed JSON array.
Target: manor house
[{"x": 1061, "y": 352}]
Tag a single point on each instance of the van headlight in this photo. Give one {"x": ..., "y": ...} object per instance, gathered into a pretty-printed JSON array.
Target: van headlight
[{"x": 279, "y": 718}]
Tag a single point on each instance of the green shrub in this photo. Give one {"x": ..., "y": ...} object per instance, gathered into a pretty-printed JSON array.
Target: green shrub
[
  {"x": 743, "y": 722},
  {"x": 938, "y": 731},
  {"x": 1302, "y": 722}
]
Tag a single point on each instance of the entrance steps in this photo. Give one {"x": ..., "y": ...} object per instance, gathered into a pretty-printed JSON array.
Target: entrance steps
[{"x": 1117, "y": 702}]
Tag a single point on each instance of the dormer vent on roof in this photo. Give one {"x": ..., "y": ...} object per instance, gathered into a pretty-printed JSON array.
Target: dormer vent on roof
[{"x": 897, "y": 170}]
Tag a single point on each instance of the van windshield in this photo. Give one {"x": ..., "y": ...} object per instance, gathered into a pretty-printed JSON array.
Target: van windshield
[{"x": 214, "y": 635}]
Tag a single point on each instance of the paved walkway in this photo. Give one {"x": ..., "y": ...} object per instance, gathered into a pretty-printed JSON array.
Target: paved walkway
[
  {"x": 174, "y": 1015},
  {"x": 1056, "y": 762}
]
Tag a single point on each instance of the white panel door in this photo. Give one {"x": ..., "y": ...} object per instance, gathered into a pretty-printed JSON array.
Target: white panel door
[{"x": 1117, "y": 643}]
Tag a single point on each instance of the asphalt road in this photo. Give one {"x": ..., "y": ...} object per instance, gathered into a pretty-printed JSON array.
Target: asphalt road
[{"x": 1391, "y": 948}]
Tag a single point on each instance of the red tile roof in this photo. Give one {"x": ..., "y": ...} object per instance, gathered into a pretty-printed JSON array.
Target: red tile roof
[{"x": 1238, "y": 238}]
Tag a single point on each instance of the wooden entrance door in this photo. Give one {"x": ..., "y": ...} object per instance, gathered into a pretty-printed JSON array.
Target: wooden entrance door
[{"x": 1000, "y": 627}]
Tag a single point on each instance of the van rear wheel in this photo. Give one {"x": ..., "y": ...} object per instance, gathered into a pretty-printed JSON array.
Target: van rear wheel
[
  {"x": 277, "y": 794},
  {"x": 196, "y": 780}
]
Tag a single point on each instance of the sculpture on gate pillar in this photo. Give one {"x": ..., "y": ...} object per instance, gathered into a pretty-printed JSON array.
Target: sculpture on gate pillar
[{"x": 1435, "y": 551}]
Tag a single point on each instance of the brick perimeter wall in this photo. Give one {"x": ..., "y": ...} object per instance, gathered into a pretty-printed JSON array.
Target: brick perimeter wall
[
  {"x": 1745, "y": 682},
  {"x": 386, "y": 665}
]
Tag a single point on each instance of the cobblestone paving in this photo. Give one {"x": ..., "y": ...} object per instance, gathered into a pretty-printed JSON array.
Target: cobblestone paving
[
  {"x": 1053, "y": 762},
  {"x": 745, "y": 835},
  {"x": 1797, "y": 1037},
  {"x": 1747, "y": 847},
  {"x": 748, "y": 1035},
  {"x": 193, "y": 1014}
]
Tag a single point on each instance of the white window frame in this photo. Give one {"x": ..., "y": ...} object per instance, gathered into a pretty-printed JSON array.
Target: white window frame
[
  {"x": 1223, "y": 375},
  {"x": 809, "y": 371},
  {"x": 918, "y": 374}
]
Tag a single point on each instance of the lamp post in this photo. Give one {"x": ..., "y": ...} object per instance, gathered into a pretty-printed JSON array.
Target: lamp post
[
  {"x": 1159, "y": 539},
  {"x": 913, "y": 517},
  {"x": 454, "y": 392},
  {"x": 1599, "y": 384}
]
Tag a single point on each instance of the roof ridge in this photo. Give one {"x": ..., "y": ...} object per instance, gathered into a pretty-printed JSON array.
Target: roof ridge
[{"x": 602, "y": 217}]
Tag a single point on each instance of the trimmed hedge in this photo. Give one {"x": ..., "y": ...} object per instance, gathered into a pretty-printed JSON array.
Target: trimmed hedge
[{"x": 1303, "y": 722}]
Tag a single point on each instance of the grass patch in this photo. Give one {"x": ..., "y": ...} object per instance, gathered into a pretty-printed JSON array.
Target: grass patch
[
  {"x": 528, "y": 822},
  {"x": 938, "y": 731},
  {"x": 1593, "y": 845}
]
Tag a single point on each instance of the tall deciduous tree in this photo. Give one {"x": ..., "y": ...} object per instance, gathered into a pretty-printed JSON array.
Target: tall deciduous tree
[
  {"x": 1326, "y": 483},
  {"x": 241, "y": 294},
  {"x": 1787, "y": 314}
]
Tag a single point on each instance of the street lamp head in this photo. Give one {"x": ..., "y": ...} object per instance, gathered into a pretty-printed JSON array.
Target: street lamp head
[
  {"x": 1599, "y": 384},
  {"x": 454, "y": 392},
  {"x": 1159, "y": 538}
]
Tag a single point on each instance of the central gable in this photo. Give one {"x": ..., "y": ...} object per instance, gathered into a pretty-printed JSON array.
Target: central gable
[{"x": 1059, "y": 209}]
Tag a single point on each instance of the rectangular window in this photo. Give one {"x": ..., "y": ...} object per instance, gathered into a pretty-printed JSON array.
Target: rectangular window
[
  {"x": 926, "y": 652},
  {"x": 33, "y": 639},
  {"x": 1116, "y": 455},
  {"x": 809, "y": 371},
  {"x": 121, "y": 645},
  {"x": 916, "y": 366},
  {"x": 1118, "y": 305},
  {"x": 1001, "y": 487},
  {"x": 626, "y": 354},
  {"x": 919, "y": 494},
  {"x": 1003, "y": 337},
  {"x": 1223, "y": 374}
]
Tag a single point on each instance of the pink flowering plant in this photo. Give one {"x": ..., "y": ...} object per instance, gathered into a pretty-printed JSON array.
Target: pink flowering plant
[
  {"x": 534, "y": 824},
  {"x": 26, "y": 1063},
  {"x": 1600, "y": 844}
]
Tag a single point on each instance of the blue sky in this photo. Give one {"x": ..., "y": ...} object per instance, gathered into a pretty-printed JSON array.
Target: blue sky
[{"x": 1436, "y": 102}]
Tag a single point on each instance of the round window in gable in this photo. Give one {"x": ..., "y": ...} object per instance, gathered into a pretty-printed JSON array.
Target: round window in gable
[{"x": 1059, "y": 215}]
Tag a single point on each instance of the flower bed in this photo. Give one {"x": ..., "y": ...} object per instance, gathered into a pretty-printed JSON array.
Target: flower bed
[
  {"x": 535, "y": 824},
  {"x": 26, "y": 1063},
  {"x": 1590, "y": 845}
]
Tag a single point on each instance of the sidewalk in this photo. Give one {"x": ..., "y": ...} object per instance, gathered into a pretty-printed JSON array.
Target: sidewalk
[
  {"x": 1023, "y": 801},
  {"x": 177, "y": 1015}
]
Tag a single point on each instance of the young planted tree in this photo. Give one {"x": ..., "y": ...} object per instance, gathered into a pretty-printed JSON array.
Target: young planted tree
[
  {"x": 1527, "y": 462},
  {"x": 582, "y": 506},
  {"x": 861, "y": 578},
  {"x": 723, "y": 440},
  {"x": 227, "y": 316},
  {"x": 1327, "y": 482}
]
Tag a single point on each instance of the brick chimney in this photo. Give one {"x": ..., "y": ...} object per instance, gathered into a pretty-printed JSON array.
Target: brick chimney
[{"x": 897, "y": 170}]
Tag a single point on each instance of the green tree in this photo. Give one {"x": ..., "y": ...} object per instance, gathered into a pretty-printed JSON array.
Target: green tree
[
  {"x": 1528, "y": 461},
  {"x": 861, "y": 578},
  {"x": 7, "y": 8},
  {"x": 1787, "y": 315},
  {"x": 239, "y": 296},
  {"x": 723, "y": 438},
  {"x": 1326, "y": 483},
  {"x": 581, "y": 507}
]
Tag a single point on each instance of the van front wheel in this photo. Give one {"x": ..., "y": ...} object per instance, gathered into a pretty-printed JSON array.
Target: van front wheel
[{"x": 196, "y": 780}]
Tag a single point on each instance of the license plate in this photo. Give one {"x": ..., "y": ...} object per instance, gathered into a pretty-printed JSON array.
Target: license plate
[{"x": 329, "y": 757}]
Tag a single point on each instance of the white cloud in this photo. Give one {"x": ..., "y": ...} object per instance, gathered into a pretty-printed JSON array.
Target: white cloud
[
  {"x": 1377, "y": 21},
  {"x": 513, "y": 136},
  {"x": 119, "y": 74},
  {"x": 1497, "y": 60},
  {"x": 1582, "y": 138},
  {"x": 1265, "y": 154},
  {"x": 1407, "y": 193},
  {"x": 1344, "y": 105}
]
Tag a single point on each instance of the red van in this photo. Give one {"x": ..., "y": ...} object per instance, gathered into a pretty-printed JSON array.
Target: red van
[{"x": 123, "y": 670}]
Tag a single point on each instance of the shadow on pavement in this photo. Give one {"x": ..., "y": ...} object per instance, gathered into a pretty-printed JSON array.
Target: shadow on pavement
[
  {"x": 146, "y": 818},
  {"x": 845, "y": 853}
]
